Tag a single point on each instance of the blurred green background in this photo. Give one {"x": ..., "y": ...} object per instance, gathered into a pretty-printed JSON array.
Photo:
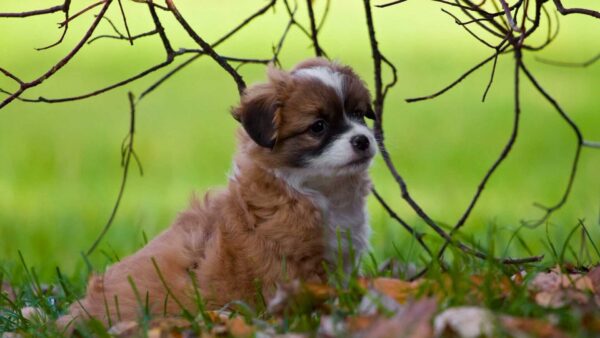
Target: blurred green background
[{"x": 60, "y": 163}]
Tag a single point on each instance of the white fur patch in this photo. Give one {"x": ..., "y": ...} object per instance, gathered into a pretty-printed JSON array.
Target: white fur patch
[
  {"x": 341, "y": 152},
  {"x": 341, "y": 201},
  {"x": 326, "y": 75}
]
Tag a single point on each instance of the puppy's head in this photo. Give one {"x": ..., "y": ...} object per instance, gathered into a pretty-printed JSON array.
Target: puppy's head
[{"x": 312, "y": 117}]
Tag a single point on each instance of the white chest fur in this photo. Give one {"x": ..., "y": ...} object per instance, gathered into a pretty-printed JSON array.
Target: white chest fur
[{"x": 342, "y": 203}]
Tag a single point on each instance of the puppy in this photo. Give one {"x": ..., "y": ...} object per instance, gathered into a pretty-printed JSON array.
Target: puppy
[{"x": 297, "y": 191}]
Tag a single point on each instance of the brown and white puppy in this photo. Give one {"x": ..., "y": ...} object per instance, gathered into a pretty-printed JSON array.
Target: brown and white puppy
[{"x": 299, "y": 178}]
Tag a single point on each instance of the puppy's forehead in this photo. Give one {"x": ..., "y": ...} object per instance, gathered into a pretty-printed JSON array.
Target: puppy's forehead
[{"x": 326, "y": 75}]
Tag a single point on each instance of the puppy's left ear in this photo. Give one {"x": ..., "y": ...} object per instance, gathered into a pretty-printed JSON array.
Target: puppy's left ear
[
  {"x": 259, "y": 107},
  {"x": 370, "y": 114}
]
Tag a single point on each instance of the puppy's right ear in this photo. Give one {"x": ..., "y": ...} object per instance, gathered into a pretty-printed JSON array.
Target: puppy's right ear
[{"x": 259, "y": 108}]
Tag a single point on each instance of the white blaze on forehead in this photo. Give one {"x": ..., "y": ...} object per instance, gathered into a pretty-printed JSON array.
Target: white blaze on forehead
[{"x": 327, "y": 76}]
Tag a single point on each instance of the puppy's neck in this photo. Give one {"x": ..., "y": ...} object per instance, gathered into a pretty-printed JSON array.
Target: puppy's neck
[
  {"x": 340, "y": 199},
  {"x": 306, "y": 182}
]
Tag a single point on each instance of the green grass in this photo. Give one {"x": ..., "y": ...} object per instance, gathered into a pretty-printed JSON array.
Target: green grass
[
  {"x": 466, "y": 281},
  {"x": 59, "y": 164}
]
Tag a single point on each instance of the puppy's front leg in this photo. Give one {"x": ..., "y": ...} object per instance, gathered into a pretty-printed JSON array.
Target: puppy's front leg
[{"x": 133, "y": 285}]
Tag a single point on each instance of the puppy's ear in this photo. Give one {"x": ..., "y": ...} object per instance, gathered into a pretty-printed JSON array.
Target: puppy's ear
[
  {"x": 370, "y": 114},
  {"x": 259, "y": 108}
]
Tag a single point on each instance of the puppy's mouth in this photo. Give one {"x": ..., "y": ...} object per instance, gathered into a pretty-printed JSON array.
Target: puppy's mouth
[{"x": 359, "y": 162}]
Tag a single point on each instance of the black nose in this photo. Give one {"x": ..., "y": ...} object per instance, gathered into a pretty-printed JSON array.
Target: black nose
[{"x": 360, "y": 142}]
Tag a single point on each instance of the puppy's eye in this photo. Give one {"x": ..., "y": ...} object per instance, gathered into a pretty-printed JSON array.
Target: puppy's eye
[{"x": 319, "y": 127}]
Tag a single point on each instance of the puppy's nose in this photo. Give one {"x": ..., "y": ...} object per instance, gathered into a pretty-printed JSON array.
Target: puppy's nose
[{"x": 360, "y": 142}]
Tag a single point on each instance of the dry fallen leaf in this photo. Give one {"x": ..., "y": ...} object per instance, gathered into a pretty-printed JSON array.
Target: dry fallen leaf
[
  {"x": 413, "y": 321},
  {"x": 374, "y": 302},
  {"x": 237, "y": 327},
  {"x": 11, "y": 335},
  {"x": 594, "y": 276},
  {"x": 34, "y": 314},
  {"x": 360, "y": 323},
  {"x": 555, "y": 289},
  {"x": 330, "y": 326},
  {"x": 465, "y": 321},
  {"x": 396, "y": 289},
  {"x": 534, "y": 327},
  {"x": 8, "y": 290},
  {"x": 124, "y": 329},
  {"x": 501, "y": 285},
  {"x": 299, "y": 295}
]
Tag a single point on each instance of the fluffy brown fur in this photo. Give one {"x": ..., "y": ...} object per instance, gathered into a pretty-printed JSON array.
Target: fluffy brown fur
[{"x": 259, "y": 230}]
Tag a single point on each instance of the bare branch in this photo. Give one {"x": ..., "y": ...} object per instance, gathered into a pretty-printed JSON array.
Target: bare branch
[
  {"x": 489, "y": 85},
  {"x": 61, "y": 63},
  {"x": 207, "y": 48},
  {"x": 127, "y": 153},
  {"x": 583, "y": 11},
  {"x": 66, "y": 8},
  {"x": 379, "y": 136},
  {"x": 11, "y": 75},
  {"x": 417, "y": 235},
  {"x": 505, "y": 151},
  {"x": 390, "y": 3},
  {"x": 50, "y": 10},
  {"x": 570, "y": 64},
  {"x": 84, "y": 10},
  {"x": 457, "y": 81},
  {"x": 511, "y": 21},
  {"x": 125, "y": 21},
  {"x": 122, "y": 37},
  {"x": 313, "y": 29},
  {"x": 457, "y": 21},
  {"x": 580, "y": 143}
]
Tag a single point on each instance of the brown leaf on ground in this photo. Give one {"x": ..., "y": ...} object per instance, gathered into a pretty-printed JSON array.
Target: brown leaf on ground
[
  {"x": 555, "y": 289},
  {"x": 237, "y": 327},
  {"x": 170, "y": 323},
  {"x": 124, "y": 329},
  {"x": 299, "y": 295},
  {"x": 522, "y": 326},
  {"x": 591, "y": 322},
  {"x": 472, "y": 321},
  {"x": 360, "y": 323},
  {"x": 502, "y": 286},
  {"x": 414, "y": 321},
  {"x": 594, "y": 276},
  {"x": 396, "y": 289},
  {"x": 464, "y": 321},
  {"x": 8, "y": 290},
  {"x": 33, "y": 313},
  {"x": 224, "y": 325}
]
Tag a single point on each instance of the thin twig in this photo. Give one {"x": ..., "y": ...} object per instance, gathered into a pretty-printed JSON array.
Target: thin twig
[
  {"x": 313, "y": 29},
  {"x": 62, "y": 62},
  {"x": 84, "y": 10},
  {"x": 583, "y": 11},
  {"x": 505, "y": 151},
  {"x": 379, "y": 136},
  {"x": 66, "y": 8},
  {"x": 50, "y": 10},
  {"x": 583, "y": 64},
  {"x": 125, "y": 21},
  {"x": 207, "y": 48},
  {"x": 126, "y": 160},
  {"x": 417, "y": 235},
  {"x": 458, "y": 80},
  {"x": 580, "y": 142}
]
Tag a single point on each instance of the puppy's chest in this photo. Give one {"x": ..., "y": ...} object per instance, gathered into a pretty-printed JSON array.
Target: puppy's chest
[{"x": 344, "y": 221}]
